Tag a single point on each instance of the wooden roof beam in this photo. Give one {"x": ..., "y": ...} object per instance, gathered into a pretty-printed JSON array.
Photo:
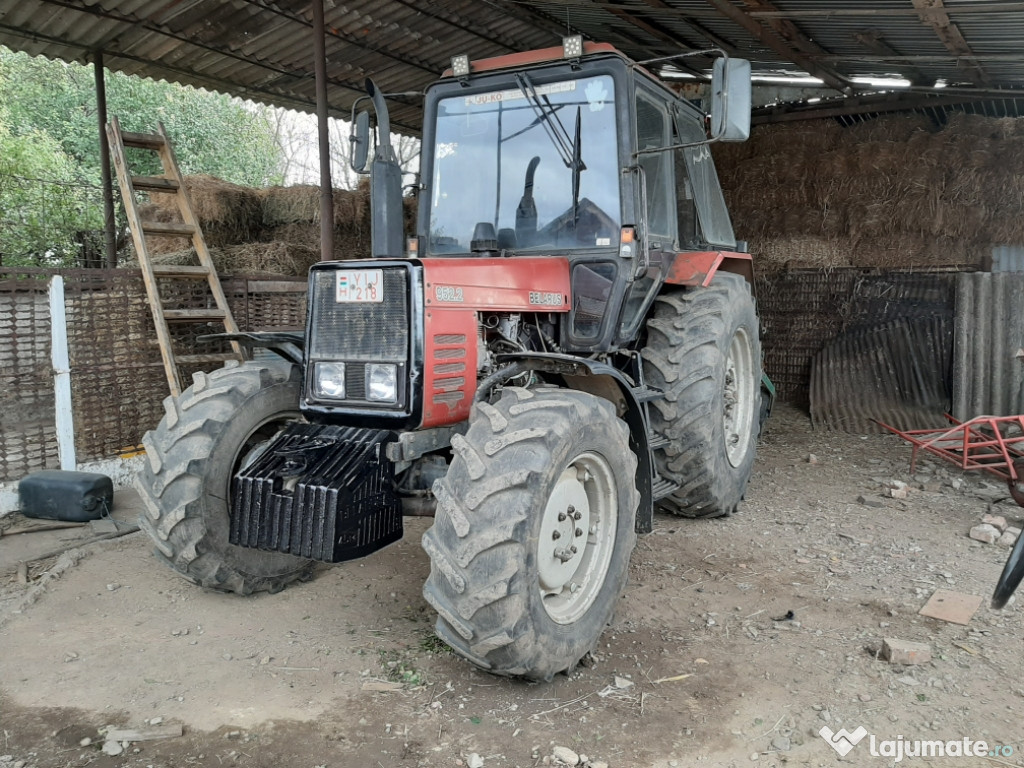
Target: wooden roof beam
[
  {"x": 874, "y": 41},
  {"x": 657, "y": 31},
  {"x": 697, "y": 27},
  {"x": 933, "y": 13},
  {"x": 774, "y": 40}
]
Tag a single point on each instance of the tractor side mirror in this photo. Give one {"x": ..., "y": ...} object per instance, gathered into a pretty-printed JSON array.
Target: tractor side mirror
[
  {"x": 360, "y": 142},
  {"x": 730, "y": 100}
]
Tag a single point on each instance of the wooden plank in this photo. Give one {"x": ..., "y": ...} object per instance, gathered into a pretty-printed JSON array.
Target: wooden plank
[
  {"x": 142, "y": 140},
  {"x": 193, "y": 315},
  {"x": 179, "y": 270},
  {"x": 154, "y": 183},
  {"x": 168, "y": 229}
]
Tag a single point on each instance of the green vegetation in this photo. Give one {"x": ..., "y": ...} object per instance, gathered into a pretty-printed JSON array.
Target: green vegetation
[{"x": 50, "y": 198}]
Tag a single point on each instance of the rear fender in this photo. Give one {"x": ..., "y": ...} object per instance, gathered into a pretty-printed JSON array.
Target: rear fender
[{"x": 697, "y": 268}]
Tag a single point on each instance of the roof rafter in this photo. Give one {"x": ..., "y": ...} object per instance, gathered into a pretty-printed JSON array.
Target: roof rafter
[
  {"x": 697, "y": 27},
  {"x": 934, "y": 14},
  {"x": 874, "y": 41},
  {"x": 773, "y": 39}
]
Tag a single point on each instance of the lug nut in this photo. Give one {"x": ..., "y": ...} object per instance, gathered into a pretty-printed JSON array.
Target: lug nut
[
  {"x": 556, "y": 535},
  {"x": 561, "y": 517},
  {"x": 577, "y": 515},
  {"x": 571, "y": 509},
  {"x": 579, "y": 531},
  {"x": 573, "y": 549}
]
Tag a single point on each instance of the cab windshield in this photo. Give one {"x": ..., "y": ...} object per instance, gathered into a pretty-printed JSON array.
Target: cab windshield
[{"x": 538, "y": 162}]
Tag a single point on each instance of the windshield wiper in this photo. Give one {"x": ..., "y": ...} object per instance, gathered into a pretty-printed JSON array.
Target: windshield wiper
[{"x": 570, "y": 150}]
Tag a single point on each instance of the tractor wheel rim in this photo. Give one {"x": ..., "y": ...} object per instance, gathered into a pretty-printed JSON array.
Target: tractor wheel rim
[
  {"x": 738, "y": 398},
  {"x": 577, "y": 536}
]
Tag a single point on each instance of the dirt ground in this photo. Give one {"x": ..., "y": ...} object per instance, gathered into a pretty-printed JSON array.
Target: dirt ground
[{"x": 736, "y": 641}]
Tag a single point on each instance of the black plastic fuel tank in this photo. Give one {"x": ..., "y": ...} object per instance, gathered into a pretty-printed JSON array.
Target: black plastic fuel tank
[{"x": 71, "y": 496}]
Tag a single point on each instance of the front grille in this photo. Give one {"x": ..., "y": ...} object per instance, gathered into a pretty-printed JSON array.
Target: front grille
[
  {"x": 370, "y": 332},
  {"x": 355, "y": 381}
]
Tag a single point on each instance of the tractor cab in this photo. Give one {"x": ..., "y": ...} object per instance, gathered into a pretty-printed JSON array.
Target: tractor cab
[{"x": 554, "y": 153}]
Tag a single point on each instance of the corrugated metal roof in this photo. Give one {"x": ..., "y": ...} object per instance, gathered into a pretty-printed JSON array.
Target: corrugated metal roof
[{"x": 261, "y": 49}]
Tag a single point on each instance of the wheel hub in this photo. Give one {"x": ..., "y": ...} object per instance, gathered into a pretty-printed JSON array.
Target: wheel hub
[{"x": 577, "y": 533}]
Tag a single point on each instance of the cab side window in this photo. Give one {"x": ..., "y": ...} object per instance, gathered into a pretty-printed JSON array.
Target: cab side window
[{"x": 652, "y": 126}]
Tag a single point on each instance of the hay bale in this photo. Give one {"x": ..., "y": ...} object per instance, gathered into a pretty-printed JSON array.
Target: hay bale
[
  {"x": 290, "y": 205},
  {"x": 227, "y": 213},
  {"x": 889, "y": 192}
]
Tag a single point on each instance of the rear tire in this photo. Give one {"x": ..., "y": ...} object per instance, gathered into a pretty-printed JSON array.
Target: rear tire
[
  {"x": 704, "y": 352},
  {"x": 538, "y": 474},
  {"x": 217, "y": 426}
]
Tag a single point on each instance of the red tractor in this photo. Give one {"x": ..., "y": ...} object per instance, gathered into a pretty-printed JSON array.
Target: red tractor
[{"x": 567, "y": 342}]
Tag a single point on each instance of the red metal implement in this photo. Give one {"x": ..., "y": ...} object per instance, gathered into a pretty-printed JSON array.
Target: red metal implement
[{"x": 993, "y": 444}]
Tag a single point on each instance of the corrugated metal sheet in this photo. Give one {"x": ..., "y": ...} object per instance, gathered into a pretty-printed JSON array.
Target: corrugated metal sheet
[
  {"x": 1008, "y": 258},
  {"x": 261, "y": 49},
  {"x": 897, "y": 373},
  {"x": 988, "y": 377}
]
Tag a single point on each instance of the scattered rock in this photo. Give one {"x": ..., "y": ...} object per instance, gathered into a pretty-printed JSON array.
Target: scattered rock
[
  {"x": 112, "y": 748},
  {"x": 1009, "y": 537},
  {"x": 985, "y": 533},
  {"x": 908, "y": 680},
  {"x": 782, "y": 743},
  {"x": 754, "y": 756},
  {"x": 227, "y": 656},
  {"x": 997, "y": 521},
  {"x": 473, "y": 760},
  {"x": 812, "y": 459},
  {"x": 870, "y": 501},
  {"x": 898, "y": 493},
  {"x": 599, "y": 764},
  {"x": 897, "y": 651},
  {"x": 565, "y": 756},
  {"x": 622, "y": 683},
  {"x": 113, "y": 587},
  {"x": 864, "y": 696}
]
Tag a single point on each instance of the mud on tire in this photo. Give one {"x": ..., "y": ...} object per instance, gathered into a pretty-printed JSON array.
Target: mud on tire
[
  {"x": 213, "y": 427},
  {"x": 497, "y": 518},
  {"x": 709, "y": 417}
]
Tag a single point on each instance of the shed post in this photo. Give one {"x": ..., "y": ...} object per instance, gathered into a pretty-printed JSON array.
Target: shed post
[
  {"x": 323, "y": 137},
  {"x": 109, "y": 238}
]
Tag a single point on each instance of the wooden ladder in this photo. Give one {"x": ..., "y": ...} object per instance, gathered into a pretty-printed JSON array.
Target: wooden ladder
[{"x": 172, "y": 182}]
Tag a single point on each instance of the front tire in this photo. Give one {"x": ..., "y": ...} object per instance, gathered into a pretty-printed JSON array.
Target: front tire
[
  {"x": 217, "y": 426},
  {"x": 534, "y": 528},
  {"x": 704, "y": 352}
]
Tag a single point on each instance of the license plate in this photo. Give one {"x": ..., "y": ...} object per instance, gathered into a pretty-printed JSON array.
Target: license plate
[{"x": 359, "y": 286}]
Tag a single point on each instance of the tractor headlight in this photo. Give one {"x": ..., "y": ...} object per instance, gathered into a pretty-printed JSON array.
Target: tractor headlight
[
  {"x": 329, "y": 380},
  {"x": 382, "y": 382}
]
